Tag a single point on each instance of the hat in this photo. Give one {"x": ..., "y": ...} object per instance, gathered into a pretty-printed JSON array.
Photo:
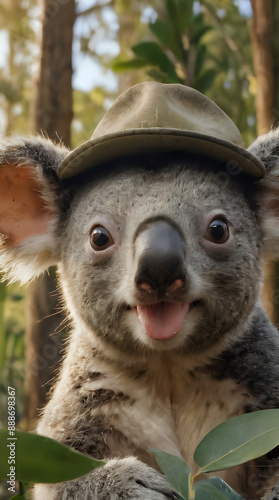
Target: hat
[{"x": 154, "y": 117}]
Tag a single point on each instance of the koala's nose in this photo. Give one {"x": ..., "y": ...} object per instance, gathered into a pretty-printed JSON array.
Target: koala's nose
[{"x": 159, "y": 250}]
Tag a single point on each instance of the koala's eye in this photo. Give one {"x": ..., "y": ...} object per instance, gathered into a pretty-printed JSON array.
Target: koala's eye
[
  {"x": 217, "y": 231},
  {"x": 100, "y": 238}
]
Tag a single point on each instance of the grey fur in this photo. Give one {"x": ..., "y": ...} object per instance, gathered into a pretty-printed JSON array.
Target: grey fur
[{"x": 120, "y": 391}]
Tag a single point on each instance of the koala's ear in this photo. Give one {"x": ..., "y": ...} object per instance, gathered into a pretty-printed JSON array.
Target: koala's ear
[
  {"x": 28, "y": 208},
  {"x": 266, "y": 148}
]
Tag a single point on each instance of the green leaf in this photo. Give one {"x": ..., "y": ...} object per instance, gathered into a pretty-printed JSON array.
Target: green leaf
[
  {"x": 176, "y": 470},
  {"x": 167, "y": 36},
  {"x": 197, "y": 35},
  {"x": 18, "y": 497},
  {"x": 135, "y": 63},
  {"x": 180, "y": 14},
  {"x": 238, "y": 440},
  {"x": 171, "y": 10},
  {"x": 198, "y": 28},
  {"x": 204, "y": 81},
  {"x": 42, "y": 460},
  {"x": 215, "y": 489},
  {"x": 152, "y": 53},
  {"x": 185, "y": 12}
]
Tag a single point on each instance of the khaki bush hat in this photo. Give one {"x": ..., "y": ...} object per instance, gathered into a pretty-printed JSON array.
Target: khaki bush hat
[{"x": 154, "y": 117}]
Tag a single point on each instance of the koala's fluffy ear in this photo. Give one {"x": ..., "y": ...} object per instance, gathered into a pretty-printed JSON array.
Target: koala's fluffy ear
[
  {"x": 28, "y": 207},
  {"x": 266, "y": 148}
]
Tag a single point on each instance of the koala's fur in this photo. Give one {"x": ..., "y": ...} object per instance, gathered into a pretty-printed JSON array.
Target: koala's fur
[{"x": 120, "y": 391}]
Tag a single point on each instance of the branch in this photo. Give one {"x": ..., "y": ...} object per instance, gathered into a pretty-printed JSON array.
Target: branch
[{"x": 93, "y": 9}]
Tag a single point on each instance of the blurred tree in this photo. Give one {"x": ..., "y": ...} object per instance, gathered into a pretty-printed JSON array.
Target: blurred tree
[
  {"x": 51, "y": 106},
  {"x": 203, "y": 44},
  {"x": 15, "y": 73},
  {"x": 175, "y": 56},
  {"x": 262, "y": 45},
  {"x": 265, "y": 47},
  {"x": 229, "y": 45},
  {"x": 51, "y": 115}
]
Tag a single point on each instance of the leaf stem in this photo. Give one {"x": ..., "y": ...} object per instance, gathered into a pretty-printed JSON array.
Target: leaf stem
[{"x": 191, "y": 491}]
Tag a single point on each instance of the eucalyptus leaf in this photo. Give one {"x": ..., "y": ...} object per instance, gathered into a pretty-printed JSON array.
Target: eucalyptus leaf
[
  {"x": 238, "y": 440},
  {"x": 135, "y": 63},
  {"x": 185, "y": 15},
  {"x": 216, "y": 489},
  {"x": 171, "y": 11},
  {"x": 176, "y": 470},
  {"x": 180, "y": 14},
  {"x": 18, "y": 497},
  {"x": 42, "y": 460},
  {"x": 152, "y": 53},
  {"x": 198, "y": 28},
  {"x": 204, "y": 81},
  {"x": 168, "y": 37}
]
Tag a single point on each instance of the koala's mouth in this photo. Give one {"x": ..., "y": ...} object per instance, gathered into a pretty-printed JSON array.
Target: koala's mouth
[{"x": 163, "y": 320}]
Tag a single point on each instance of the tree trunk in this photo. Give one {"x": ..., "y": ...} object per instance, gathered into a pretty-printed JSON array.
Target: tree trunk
[
  {"x": 43, "y": 346},
  {"x": 262, "y": 48},
  {"x": 51, "y": 114},
  {"x": 52, "y": 111}
]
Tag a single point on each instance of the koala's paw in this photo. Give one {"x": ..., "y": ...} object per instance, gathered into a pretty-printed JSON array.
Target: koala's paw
[
  {"x": 125, "y": 479},
  {"x": 129, "y": 478}
]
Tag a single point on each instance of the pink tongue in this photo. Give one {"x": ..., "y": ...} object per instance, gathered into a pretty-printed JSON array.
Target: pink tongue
[{"x": 162, "y": 320}]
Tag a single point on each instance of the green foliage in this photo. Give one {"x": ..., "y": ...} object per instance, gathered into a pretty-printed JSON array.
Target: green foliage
[
  {"x": 209, "y": 50},
  {"x": 178, "y": 55},
  {"x": 234, "y": 442},
  {"x": 238, "y": 440},
  {"x": 153, "y": 55},
  {"x": 88, "y": 110},
  {"x": 43, "y": 460},
  {"x": 214, "y": 489},
  {"x": 231, "y": 443},
  {"x": 176, "y": 470},
  {"x": 16, "y": 72}
]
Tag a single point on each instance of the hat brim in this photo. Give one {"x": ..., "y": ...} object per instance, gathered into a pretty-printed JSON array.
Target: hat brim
[{"x": 151, "y": 140}]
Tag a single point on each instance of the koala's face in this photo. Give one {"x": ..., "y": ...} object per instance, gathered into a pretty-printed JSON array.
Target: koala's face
[{"x": 162, "y": 256}]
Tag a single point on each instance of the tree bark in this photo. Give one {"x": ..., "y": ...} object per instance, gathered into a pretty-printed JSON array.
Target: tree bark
[
  {"x": 43, "y": 346},
  {"x": 51, "y": 111},
  {"x": 262, "y": 49},
  {"x": 51, "y": 114}
]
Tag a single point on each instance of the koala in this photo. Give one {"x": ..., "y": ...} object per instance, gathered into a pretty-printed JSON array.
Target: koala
[{"x": 159, "y": 258}]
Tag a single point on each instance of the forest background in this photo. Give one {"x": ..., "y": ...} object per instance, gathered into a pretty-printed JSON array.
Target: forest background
[{"x": 62, "y": 63}]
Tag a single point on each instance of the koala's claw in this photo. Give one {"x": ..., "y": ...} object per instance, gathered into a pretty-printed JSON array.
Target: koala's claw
[{"x": 170, "y": 496}]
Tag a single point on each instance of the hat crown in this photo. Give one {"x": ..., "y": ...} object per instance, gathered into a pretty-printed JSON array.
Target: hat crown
[
  {"x": 167, "y": 106},
  {"x": 153, "y": 118}
]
